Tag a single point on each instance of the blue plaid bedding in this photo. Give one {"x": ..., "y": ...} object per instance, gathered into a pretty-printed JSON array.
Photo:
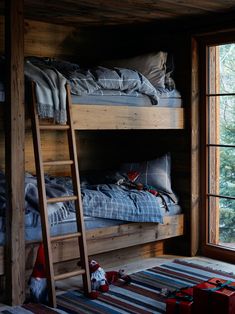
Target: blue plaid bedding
[
  {"x": 113, "y": 201},
  {"x": 116, "y": 202},
  {"x": 110, "y": 201}
]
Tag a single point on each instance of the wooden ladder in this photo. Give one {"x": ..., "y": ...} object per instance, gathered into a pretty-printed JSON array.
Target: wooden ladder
[{"x": 43, "y": 201}]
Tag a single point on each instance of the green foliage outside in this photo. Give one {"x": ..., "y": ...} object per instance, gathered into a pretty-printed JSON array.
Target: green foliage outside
[{"x": 227, "y": 136}]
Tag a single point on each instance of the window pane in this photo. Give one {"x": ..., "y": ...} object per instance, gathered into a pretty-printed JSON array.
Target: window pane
[
  {"x": 222, "y": 120},
  {"x": 227, "y": 222},
  {"x": 220, "y": 126},
  {"x": 222, "y": 221},
  {"x": 222, "y": 69},
  {"x": 227, "y": 68},
  {"x": 222, "y": 171}
]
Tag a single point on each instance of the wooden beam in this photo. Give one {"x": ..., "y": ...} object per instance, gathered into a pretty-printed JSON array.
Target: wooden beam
[
  {"x": 14, "y": 133},
  {"x": 195, "y": 154}
]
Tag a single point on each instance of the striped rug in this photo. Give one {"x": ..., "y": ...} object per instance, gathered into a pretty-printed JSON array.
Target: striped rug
[
  {"x": 31, "y": 308},
  {"x": 145, "y": 293}
]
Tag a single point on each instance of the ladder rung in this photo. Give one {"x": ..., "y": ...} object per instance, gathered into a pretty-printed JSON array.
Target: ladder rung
[
  {"x": 62, "y": 199},
  {"x": 58, "y": 163},
  {"x": 66, "y": 236},
  {"x": 70, "y": 274},
  {"x": 58, "y": 127}
]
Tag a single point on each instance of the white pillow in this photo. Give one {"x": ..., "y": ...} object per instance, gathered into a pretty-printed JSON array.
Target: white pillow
[{"x": 151, "y": 65}]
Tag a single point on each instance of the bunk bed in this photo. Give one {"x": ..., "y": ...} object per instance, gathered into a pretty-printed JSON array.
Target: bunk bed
[
  {"x": 98, "y": 112},
  {"x": 112, "y": 97},
  {"x": 58, "y": 29}
]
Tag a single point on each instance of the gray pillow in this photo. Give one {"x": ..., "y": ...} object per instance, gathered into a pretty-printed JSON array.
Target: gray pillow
[
  {"x": 151, "y": 65},
  {"x": 156, "y": 172}
]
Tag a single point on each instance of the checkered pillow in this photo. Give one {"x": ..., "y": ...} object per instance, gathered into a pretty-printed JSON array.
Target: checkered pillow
[{"x": 156, "y": 172}]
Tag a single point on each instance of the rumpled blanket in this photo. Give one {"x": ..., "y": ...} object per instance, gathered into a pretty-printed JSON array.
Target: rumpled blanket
[
  {"x": 57, "y": 212},
  {"x": 92, "y": 81},
  {"x": 51, "y": 77},
  {"x": 110, "y": 201},
  {"x": 113, "y": 201}
]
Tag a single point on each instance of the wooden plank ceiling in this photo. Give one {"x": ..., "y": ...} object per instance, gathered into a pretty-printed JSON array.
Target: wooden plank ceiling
[{"x": 85, "y": 13}]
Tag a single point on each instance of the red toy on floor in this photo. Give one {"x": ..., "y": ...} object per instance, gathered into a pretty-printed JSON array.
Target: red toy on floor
[
  {"x": 100, "y": 280},
  {"x": 38, "y": 281}
]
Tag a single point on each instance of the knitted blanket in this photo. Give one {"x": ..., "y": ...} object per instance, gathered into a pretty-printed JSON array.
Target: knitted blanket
[
  {"x": 57, "y": 212},
  {"x": 50, "y": 91}
]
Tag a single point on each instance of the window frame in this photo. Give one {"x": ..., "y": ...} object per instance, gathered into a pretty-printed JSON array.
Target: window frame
[{"x": 207, "y": 248}]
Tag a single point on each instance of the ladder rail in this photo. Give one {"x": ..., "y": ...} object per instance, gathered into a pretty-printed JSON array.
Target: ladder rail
[
  {"x": 42, "y": 200},
  {"x": 77, "y": 191},
  {"x": 76, "y": 198}
]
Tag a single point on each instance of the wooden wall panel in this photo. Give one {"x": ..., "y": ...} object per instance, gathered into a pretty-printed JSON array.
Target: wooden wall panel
[
  {"x": 107, "y": 150},
  {"x": 44, "y": 39},
  {"x": 53, "y": 145}
]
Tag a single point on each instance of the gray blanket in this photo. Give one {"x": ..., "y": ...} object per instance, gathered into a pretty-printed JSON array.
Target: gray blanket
[
  {"x": 57, "y": 212},
  {"x": 50, "y": 91},
  {"x": 51, "y": 76},
  {"x": 99, "y": 79}
]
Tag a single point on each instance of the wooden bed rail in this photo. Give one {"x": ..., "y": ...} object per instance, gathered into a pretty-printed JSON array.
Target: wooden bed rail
[
  {"x": 100, "y": 117},
  {"x": 108, "y": 239}
]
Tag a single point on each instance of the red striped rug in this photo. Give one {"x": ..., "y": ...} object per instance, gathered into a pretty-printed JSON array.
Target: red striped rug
[{"x": 144, "y": 294}]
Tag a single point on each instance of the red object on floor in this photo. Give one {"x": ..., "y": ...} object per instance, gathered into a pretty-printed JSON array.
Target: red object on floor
[
  {"x": 215, "y": 296},
  {"x": 39, "y": 269},
  {"x": 181, "y": 302}
]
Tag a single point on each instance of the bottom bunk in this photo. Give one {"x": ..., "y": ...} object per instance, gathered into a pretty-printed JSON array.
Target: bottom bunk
[
  {"x": 112, "y": 246},
  {"x": 121, "y": 210},
  {"x": 108, "y": 239}
]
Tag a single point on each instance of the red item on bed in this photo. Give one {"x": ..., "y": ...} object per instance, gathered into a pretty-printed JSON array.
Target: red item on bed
[{"x": 214, "y": 296}]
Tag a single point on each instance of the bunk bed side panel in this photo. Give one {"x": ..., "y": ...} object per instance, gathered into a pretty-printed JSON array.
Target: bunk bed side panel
[{"x": 92, "y": 117}]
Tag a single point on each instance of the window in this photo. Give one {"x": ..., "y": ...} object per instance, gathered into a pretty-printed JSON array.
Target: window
[{"x": 218, "y": 145}]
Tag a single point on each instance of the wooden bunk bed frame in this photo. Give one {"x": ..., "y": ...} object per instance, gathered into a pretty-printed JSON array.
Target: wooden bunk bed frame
[
  {"x": 98, "y": 117},
  {"x": 100, "y": 240},
  {"x": 86, "y": 117},
  {"x": 114, "y": 238}
]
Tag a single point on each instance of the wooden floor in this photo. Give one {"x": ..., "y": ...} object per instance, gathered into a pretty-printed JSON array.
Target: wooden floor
[{"x": 138, "y": 265}]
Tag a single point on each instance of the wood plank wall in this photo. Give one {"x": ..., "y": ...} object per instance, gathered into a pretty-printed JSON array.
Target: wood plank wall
[
  {"x": 43, "y": 39},
  {"x": 107, "y": 149}
]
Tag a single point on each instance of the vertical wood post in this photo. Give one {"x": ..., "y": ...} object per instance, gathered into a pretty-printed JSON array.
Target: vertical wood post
[
  {"x": 195, "y": 156},
  {"x": 14, "y": 134}
]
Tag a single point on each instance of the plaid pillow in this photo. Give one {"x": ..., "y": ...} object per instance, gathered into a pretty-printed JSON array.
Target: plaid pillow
[{"x": 156, "y": 172}]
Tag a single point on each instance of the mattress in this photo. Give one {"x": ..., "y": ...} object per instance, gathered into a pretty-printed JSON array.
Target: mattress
[
  {"x": 171, "y": 99},
  {"x": 33, "y": 225}
]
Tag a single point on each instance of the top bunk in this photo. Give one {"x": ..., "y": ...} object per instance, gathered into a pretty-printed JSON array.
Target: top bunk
[
  {"x": 135, "y": 93},
  {"x": 159, "y": 106}
]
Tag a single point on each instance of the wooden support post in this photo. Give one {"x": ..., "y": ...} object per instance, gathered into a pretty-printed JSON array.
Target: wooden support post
[
  {"x": 14, "y": 132},
  {"x": 195, "y": 157}
]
